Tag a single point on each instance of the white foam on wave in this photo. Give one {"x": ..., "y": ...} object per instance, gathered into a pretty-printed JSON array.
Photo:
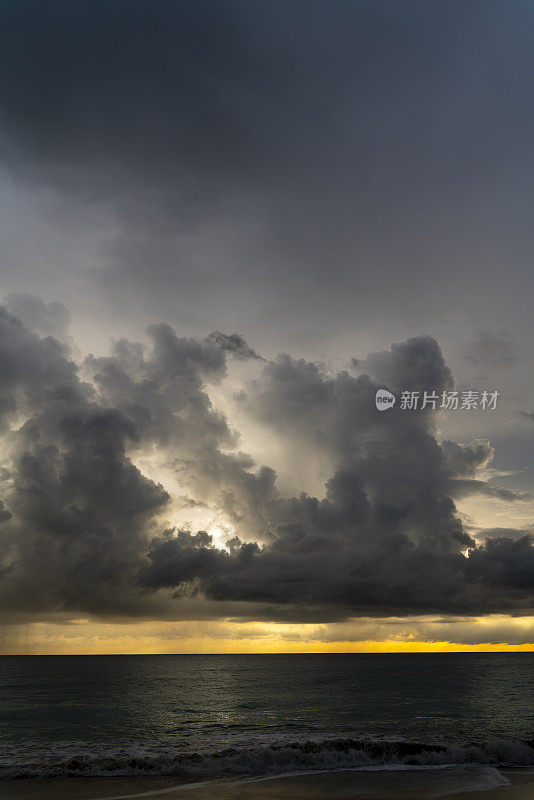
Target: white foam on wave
[{"x": 274, "y": 757}]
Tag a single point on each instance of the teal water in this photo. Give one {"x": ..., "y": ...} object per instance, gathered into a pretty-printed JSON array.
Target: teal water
[{"x": 229, "y": 714}]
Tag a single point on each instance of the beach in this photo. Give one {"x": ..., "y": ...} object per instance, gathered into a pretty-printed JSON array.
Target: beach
[{"x": 455, "y": 783}]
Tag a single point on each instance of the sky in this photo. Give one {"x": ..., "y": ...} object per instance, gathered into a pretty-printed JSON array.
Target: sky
[{"x": 224, "y": 227}]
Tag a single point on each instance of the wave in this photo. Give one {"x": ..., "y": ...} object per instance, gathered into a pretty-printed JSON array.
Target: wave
[{"x": 90, "y": 759}]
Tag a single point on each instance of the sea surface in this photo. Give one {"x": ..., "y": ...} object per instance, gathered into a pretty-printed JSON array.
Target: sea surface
[{"x": 207, "y": 716}]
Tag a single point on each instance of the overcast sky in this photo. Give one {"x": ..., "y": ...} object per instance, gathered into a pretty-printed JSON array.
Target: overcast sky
[{"x": 224, "y": 226}]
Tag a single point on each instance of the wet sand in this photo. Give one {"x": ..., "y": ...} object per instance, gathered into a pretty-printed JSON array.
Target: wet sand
[{"x": 344, "y": 785}]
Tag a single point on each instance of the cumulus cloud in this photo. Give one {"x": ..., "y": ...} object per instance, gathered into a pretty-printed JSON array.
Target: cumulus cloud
[
  {"x": 85, "y": 528},
  {"x": 414, "y": 365},
  {"x": 46, "y": 319}
]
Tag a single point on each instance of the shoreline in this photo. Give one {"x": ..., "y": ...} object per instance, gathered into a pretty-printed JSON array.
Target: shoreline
[{"x": 457, "y": 783}]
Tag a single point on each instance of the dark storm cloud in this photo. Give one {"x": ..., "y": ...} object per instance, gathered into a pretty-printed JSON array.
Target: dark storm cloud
[
  {"x": 294, "y": 170},
  {"x": 243, "y": 149},
  {"x": 78, "y": 505},
  {"x": 505, "y": 564},
  {"x": 387, "y": 533},
  {"x": 81, "y": 511},
  {"x": 83, "y": 529}
]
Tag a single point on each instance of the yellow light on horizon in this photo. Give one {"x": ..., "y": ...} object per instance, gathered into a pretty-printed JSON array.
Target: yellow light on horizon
[{"x": 84, "y": 637}]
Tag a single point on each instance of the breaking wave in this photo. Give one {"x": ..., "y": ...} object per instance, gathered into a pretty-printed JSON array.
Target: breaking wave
[{"x": 89, "y": 759}]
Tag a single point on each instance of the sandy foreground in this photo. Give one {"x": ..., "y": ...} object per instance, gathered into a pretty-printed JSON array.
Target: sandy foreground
[{"x": 481, "y": 784}]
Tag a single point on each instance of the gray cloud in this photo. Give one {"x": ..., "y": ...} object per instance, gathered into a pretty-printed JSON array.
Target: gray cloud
[
  {"x": 465, "y": 460},
  {"x": 490, "y": 348},
  {"x": 463, "y": 487},
  {"x": 415, "y": 365},
  {"x": 502, "y": 533},
  {"x": 387, "y": 533},
  {"x": 303, "y": 170},
  {"x": 83, "y": 529},
  {"x": 235, "y": 344},
  {"x": 46, "y": 319},
  {"x": 78, "y": 507},
  {"x": 505, "y": 564}
]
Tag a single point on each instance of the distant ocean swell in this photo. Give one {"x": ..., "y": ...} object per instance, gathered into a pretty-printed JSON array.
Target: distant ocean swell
[{"x": 89, "y": 759}]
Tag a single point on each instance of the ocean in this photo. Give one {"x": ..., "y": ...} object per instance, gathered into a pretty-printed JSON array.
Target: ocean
[{"x": 206, "y": 716}]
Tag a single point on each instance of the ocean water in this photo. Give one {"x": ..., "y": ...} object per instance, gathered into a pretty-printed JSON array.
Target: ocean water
[{"x": 208, "y": 716}]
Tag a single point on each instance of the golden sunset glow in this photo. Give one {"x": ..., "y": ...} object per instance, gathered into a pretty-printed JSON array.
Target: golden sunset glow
[{"x": 83, "y": 636}]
